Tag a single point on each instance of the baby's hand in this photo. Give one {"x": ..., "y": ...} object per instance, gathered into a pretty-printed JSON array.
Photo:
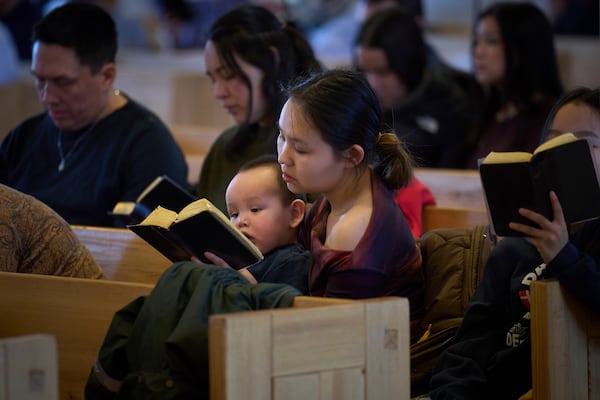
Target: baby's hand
[{"x": 216, "y": 260}]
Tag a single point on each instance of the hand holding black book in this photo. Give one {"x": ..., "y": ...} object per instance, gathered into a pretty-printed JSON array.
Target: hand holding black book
[{"x": 513, "y": 180}]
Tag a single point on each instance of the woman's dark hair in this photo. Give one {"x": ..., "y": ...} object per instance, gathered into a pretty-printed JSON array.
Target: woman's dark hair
[
  {"x": 414, "y": 7},
  {"x": 342, "y": 106},
  {"x": 532, "y": 82},
  {"x": 86, "y": 28},
  {"x": 398, "y": 35},
  {"x": 582, "y": 95},
  {"x": 531, "y": 66},
  {"x": 280, "y": 51}
]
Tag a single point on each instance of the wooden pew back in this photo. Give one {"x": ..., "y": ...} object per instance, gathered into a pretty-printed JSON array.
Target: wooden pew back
[
  {"x": 122, "y": 254},
  {"x": 193, "y": 101},
  {"x": 565, "y": 350},
  {"x": 454, "y": 188},
  {"x": 194, "y": 141},
  {"x": 29, "y": 368},
  {"x": 338, "y": 348},
  {"x": 436, "y": 217},
  {"x": 330, "y": 350},
  {"x": 18, "y": 100},
  {"x": 76, "y": 311}
]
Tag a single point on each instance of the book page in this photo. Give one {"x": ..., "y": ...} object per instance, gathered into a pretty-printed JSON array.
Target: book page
[
  {"x": 499, "y": 157},
  {"x": 160, "y": 217},
  {"x": 554, "y": 142},
  {"x": 196, "y": 207},
  {"x": 124, "y": 208}
]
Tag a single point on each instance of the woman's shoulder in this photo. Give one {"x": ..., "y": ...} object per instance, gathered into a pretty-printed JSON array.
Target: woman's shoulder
[{"x": 349, "y": 230}]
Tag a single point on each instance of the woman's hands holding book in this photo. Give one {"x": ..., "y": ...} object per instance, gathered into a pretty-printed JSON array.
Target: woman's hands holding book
[{"x": 551, "y": 236}]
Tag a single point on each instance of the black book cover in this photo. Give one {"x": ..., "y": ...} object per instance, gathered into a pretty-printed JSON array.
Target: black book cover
[
  {"x": 204, "y": 230},
  {"x": 567, "y": 169},
  {"x": 163, "y": 191}
]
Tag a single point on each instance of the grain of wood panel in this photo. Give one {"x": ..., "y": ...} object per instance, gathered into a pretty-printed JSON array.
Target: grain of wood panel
[
  {"x": 559, "y": 344},
  {"x": 240, "y": 356},
  {"x": 122, "y": 254},
  {"x": 76, "y": 311},
  {"x": 306, "y": 340},
  {"x": 342, "y": 350}
]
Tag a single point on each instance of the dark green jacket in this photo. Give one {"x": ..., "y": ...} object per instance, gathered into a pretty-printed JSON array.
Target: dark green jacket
[{"x": 157, "y": 346}]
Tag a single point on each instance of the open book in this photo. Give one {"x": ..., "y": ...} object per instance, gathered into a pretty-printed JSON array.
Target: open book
[
  {"x": 512, "y": 180},
  {"x": 163, "y": 191},
  {"x": 197, "y": 228}
]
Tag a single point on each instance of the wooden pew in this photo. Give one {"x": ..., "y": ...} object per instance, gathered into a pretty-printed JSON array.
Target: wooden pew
[
  {"x": 565, "y": 337},
  {"x": 18, "y": 100},
  {"x": 435, "y": 217},
  {"x": 361, "y": 353},
  {"x": 29, "y": 367},
  {"x": 453, "y": 187},
  {"x": 193, "y": 101},
  {"x": 76, "y": 311},
  {"x": 320, "y": 349},
  {"x": 122, "y": 254},
  {"x": 195, "y": 141}
]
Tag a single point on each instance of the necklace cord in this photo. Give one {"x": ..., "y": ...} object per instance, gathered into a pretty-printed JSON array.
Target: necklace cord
[{"x": 59, "y": 146}]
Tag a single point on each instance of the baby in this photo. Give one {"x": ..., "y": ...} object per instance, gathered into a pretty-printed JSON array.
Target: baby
[{"x": 261, "y": 206}]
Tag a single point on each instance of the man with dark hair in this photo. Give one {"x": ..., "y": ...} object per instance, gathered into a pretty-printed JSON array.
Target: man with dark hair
[{"x": 93, "y": 146}]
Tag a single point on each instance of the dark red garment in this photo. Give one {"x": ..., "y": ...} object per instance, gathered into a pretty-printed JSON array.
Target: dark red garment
[
  {"x": 385, "y": 262},
  {"x": 522, "y": 132},
  {"x": 411, "y": 200}
]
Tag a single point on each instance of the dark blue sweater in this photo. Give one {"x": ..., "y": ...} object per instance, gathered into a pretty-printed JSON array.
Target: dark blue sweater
[{"x": 114, "y": 161}]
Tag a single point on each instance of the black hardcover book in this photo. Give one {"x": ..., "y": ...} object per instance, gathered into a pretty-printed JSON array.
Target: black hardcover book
[
  {"x": 512, "y": 180},
  {"x": 163, "y": 191},
  {"x": 197, "y": 228}
]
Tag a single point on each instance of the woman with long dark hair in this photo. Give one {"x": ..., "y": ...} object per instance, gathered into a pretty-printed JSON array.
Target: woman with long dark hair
[{"x": 249, "y": 56}]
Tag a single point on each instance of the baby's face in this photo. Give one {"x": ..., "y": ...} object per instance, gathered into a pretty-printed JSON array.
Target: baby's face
[
  {"x": 256, "y": 209},
  {"x": 584, "y": 122}
]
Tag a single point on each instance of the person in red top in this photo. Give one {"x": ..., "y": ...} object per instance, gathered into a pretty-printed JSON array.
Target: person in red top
[
  {"x": 412, "y": 199},
  {"x": 330, "y": 143}
]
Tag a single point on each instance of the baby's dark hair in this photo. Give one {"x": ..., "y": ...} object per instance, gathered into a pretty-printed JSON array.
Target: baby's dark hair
[
  {"x": 581, "y": 95},
  {"x": 341, "y": 105},
  {"x": 270, "y": 160}
]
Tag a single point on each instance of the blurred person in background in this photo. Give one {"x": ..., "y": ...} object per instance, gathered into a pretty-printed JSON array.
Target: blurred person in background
[{"x": 514, "y": 61}]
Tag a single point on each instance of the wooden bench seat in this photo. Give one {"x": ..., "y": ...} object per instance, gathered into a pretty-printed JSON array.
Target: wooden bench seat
[{"x": 122, "y": 254}]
